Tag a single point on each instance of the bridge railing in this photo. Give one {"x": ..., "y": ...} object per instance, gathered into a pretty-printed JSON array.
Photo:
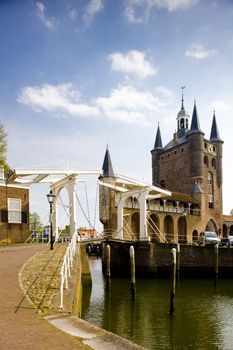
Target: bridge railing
[{"x": 66, "y": 266}]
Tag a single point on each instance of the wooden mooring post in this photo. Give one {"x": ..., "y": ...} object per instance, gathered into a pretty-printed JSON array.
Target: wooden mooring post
[
  {"x": 178, "y": 262},
  {"x": 173, "y": 282},
  {"x": 132, "y": 270},
  {"x": 216, "y": 263},
  {"x": 108, "y": 267}
]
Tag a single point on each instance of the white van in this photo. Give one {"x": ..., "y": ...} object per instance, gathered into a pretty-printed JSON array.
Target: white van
[{"x": 209, "y": 237}]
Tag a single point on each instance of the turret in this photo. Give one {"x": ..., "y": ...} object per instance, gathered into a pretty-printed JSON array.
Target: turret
[
  {"x": 216, "y": 140},
  {"x": 155, "y": 152},
  {"x": 182, "y": 118},
  {"x": 195, "y": 139},
  {"x": 107, "y": 212}
]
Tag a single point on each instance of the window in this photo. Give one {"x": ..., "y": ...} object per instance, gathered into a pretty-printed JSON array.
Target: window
[
  {"x": 214, "y": 163},
  {"x": 182, "y": 123},
  {"x": 210, "y": 201},
  {"x": 14, "y": 211},
  {"x": 206, "y": 160},
  {"x": 210, "y": 178},
  {"x": 162, "y": 184}
]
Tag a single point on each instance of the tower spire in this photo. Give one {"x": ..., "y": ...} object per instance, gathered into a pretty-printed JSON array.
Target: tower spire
[
  {"x": 158, "y": 139},
  {"x": 107, "y": 165},
  {"x": 182, "y": 100},
  {"x": 195, "y": 125},
  {"x": 214, "y": 135}
]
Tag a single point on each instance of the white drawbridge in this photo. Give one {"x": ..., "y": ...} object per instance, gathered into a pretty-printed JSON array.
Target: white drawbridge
[{"x": 58, "y": 179}]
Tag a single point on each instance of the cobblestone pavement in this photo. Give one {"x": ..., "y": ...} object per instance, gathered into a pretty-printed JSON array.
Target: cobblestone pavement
[
  {"x": 20, "y": 326},
  {"x": 40, "y": 278}
]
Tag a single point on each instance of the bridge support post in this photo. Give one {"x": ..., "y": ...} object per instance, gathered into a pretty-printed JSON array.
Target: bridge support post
[
  {"x": 173, "y": 282},
  {"x": 108, "y": 266},
  {"x": 216, "y": 251},
  {"x": 132, "y": 269},
  {"x": 143, "y": 236}
]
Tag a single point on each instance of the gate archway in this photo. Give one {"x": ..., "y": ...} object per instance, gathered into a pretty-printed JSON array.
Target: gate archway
[
  {"x": 153, "y": 227},
  {"x": 211, "y": 226},
  {"x": 182, "y": 230},
  {"x": 169, "y": 228},
  {"x": 195, "y": 237},
  {"x": 135, "y": 224}
]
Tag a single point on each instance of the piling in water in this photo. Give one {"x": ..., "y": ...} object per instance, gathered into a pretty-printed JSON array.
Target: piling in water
[
  {"x": 178, "y": 262},
  {"x": 173, "y": 282},
  {"x": 216, "y": 255},
  {"x": 132, "y": 269},
  {"x": 108, "y": 269}
]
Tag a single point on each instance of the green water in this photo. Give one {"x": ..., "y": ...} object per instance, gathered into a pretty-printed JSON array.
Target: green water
[{"x": 203, "y": 317}]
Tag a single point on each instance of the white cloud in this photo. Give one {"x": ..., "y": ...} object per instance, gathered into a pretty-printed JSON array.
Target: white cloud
[
  {"x": 198, "y": 52},
  {"x": 129, "y": 105},
  {"x": 72, "y": 14},
  {"x": 125, "y": 103},
  {"x": 91, "y": 10},
  {"x": 220, "y": 105},
  {"x": 133, "y": 62},
  {"x": 51, "y": 98},
  {"x": 50, "y": 23},
  {"x": 139, "y": 11},
  {"x": 165, "y": 92}
]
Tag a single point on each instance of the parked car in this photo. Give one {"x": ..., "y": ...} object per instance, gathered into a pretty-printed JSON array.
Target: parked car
[
  {"x": 209, "y": 237},
  {"x": 227, "y": 241}
]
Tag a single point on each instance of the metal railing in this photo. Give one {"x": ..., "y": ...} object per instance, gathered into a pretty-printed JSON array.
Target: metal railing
[{"x": 66, "y": 266}]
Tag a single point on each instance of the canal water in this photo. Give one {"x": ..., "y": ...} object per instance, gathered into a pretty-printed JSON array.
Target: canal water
[{"x": 203, "y": 317}]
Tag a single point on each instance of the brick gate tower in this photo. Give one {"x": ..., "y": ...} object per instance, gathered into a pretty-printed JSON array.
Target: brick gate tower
[{"x": 192, "y": 164}]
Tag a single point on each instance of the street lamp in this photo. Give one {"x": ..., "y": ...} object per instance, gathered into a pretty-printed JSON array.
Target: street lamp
[{"x": 51, "y": 198}]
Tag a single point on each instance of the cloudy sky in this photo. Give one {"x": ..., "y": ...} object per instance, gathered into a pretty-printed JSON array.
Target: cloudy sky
[{"x": 76, "y": 75}]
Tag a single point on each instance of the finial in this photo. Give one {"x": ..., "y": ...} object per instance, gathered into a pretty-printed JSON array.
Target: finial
[{"x": 182, "y": 100}]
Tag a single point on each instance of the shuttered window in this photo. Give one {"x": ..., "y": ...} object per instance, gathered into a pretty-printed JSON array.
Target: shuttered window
[{"x": 14, "y": 211}]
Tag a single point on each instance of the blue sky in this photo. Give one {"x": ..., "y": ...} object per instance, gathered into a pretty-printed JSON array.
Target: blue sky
[{"x": 76, "y": 75}]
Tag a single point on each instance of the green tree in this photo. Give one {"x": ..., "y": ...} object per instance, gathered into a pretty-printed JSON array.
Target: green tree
[
  {"x": 35, "y": 223},
  {"x": 231, "y": 212},
  {"x": 3, "y": 147}
]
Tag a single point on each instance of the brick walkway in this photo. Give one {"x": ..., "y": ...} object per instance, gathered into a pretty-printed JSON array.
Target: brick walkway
[{"x": 20, "y": 326}]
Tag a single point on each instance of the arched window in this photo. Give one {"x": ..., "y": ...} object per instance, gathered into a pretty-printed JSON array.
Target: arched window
[
  {"x": 169, "y": 228},
  {"x": 210, "y": 190},
  {"x": 195, "y": 236},
  {"x": 182, "y": 123},
  {"x": 206, "y": 160},
  {"x": 162, "y": 184},
  {"x": 210, "y": 178},
  {"x": 214, "y": 163}
]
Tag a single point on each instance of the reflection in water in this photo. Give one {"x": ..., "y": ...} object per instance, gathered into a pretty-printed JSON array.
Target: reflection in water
[{"x": 203, "y": 317}]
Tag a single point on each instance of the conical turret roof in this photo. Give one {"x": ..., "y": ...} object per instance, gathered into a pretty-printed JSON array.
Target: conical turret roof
[
  {"x": 214, "y": 135},
  {"x": 195, "y": 125},
  {"x": 158, "y": 139},
  {"x": 107, "y": 165}
]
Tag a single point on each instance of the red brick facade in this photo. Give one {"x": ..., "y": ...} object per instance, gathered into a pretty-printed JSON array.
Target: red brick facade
[{"x": 11, "y": 230}]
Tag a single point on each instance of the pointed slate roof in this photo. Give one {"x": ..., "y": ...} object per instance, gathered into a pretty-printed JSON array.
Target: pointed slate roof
[
  {"x": 214, "y": 135},
  {"x": 195, "y": 125},
  {"x": 107, "y": 165},
  {"x": 158, "y": 139}
]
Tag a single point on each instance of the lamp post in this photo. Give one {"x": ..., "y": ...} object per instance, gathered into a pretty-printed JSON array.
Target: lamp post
[{"x": 51, "y": 198}]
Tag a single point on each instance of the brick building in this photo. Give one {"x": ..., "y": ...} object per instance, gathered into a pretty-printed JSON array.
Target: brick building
[
  {"x": 189, "y": 170},
  {"x": 14, "y": 209},
  {"x": 190, "y": 165}
]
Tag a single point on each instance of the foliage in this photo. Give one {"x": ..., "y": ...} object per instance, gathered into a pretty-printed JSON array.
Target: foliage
[
  {"x": 3, "y": 147},
  {"x": 35, "y": 223},
  {"x": 231, "y": 212}
]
